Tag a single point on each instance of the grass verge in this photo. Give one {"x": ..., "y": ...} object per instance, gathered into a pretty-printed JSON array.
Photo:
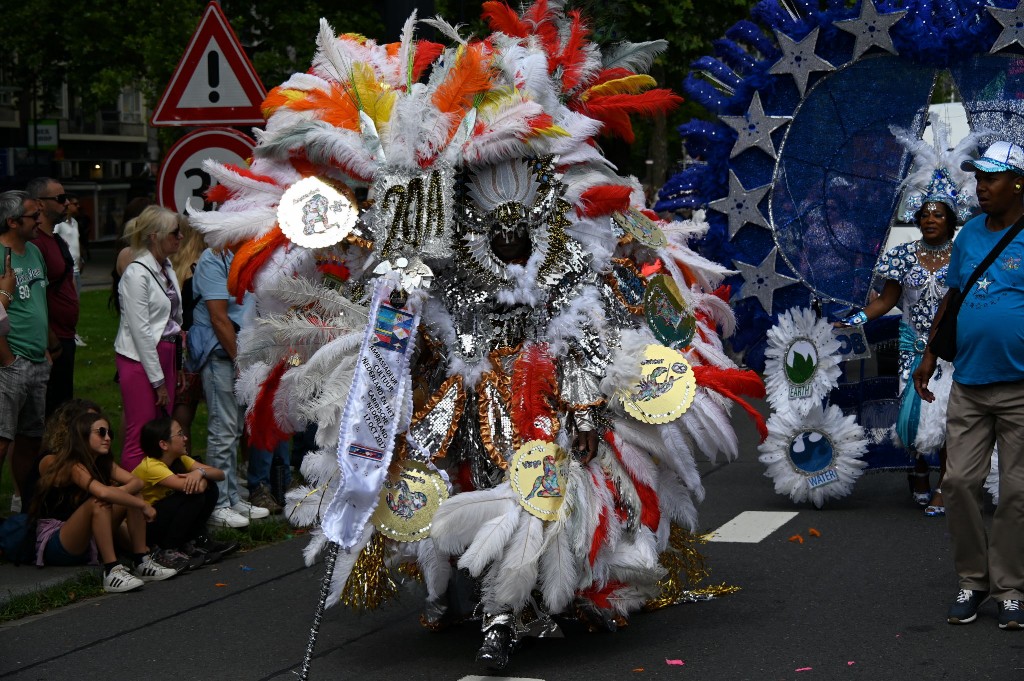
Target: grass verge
[{"x": 86, "y": 584}]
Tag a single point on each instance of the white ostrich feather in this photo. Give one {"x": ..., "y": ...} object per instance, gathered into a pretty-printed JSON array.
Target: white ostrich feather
[
  {"x": 680, "y": 458},
  {"x": 531, "y": 76},
  {"x": 584, "y": 311},
  {"x": 558, "y": 567},
  {"x": 458, "y": 519},
  {"x": 300, "y": 292},
  {"x": 489, "y": 542},
  {"x": 638, "y": 463},
  {"x": 676, "y": 500},
  {"x": 720, "y": 311},
  {"x": 405, "y": 52},
  {"x": 221, "y": 229},
  {"x": 320, "y": 465},
  {"x": 247, "y": 385},
  {"x": 715, "y": 427},
  {"x": 635, "y": 559},
  {"x": 939, "y": 154},
  {"x": 595, "y": 234},
  {"x": 605, "y": 505},
  {"x": 446, "y": 29},
  {"x": 581, "y": 517},
  {"x": 636, "y": 57},
  {"x": 316, "y": 544},
  {"x": 435, "y": 568},
  {"x": 305, "y": 82},
  {"x": 510, "y": 582},
  {"x": 630, "y": 598},
  {"x": 242, "y": 183},
  {"x": 333, "y": 60}
]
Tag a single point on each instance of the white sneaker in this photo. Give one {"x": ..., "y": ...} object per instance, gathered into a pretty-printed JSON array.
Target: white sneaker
[
  {"x": 148, "y": 570},
  {"x": 15, "y": 504},
  {"x": 227, "y": 517},
  {"x": 247, "y": 510},
  {"x": 79, "y": 342},
  {"x": 119, "y": 580}
]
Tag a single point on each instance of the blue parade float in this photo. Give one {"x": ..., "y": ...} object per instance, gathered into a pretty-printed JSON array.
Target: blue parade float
[{"x": 800, "y": 171}]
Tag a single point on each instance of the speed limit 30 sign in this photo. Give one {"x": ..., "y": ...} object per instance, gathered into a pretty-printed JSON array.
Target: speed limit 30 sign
[{"x": 182, "y": 181}]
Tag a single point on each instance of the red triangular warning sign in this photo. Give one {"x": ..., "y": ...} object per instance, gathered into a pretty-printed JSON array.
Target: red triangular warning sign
[{"x": 214, "y": 83}]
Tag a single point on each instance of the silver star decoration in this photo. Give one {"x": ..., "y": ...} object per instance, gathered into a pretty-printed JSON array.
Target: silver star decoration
[
  {"x": 799, "y": 59},
  {"x": 871, "y": 29},
  {"x": 761, "y": 281},
  {"x": 741, "y": 205},
  {"x": 754, "y": 128},
  {"x": 983, "y": 284},
  {"x": 1012, "y": 21}
]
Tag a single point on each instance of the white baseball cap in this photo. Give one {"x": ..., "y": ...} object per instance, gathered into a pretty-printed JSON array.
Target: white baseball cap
[{"x": 999, "y": 157}]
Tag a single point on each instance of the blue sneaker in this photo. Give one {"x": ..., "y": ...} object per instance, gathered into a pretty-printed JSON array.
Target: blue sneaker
[
  {"x": 965, "y": 609},
  {"x": 1011, "y": 614}
]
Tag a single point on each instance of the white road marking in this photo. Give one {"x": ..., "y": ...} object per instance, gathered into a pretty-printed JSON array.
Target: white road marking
[
  {"x": 751, "y": 527},
  {"x": 496, "y": 678}
]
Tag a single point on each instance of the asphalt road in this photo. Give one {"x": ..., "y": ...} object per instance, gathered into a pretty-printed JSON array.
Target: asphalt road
[{"x": 865, "y": 600}]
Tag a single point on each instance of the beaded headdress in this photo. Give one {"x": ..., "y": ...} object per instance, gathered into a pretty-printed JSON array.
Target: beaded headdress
[{"x": 937, "y": 175}]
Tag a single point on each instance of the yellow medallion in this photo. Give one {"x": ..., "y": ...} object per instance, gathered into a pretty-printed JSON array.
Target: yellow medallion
[
  {"x": 666, "y": 388},
  {"x": 537, "y": 474},
  {"x": 408, "y": 501}
]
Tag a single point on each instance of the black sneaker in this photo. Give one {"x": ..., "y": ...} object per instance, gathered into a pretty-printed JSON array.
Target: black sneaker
[
  {"x": 965, "y": 609},
  {"x": 199, "y": 555},
  {"x": 224, "y": 548},
  {"x": 1011, "y": 614}
]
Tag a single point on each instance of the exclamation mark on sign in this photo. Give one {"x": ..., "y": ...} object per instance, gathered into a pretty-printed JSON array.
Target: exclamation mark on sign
[{"x": 213, "y": 74}]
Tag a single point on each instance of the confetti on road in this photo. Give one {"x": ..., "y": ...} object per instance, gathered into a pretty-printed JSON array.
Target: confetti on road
[
  {"x": 813, "y": 532},
  {"x": 850, "y": 663},
  {"x": 804, "y": 669},
  {"x": 246, "y": 568},
  {"x": 796, "y": 538},
  {"x": 638, "y": 669},
  {"x": 679, "y": 663},
  {"x": 220, "y": 584}
]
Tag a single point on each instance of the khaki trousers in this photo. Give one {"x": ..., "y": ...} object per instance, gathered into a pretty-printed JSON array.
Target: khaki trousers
[{"x": 979, "y": 417}]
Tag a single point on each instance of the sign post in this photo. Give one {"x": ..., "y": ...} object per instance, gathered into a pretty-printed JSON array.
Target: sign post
[{"x": 214, "y": 84}]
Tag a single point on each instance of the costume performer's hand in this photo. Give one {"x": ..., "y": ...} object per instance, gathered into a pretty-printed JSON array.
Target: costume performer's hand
[{"x": 585, "y": 445}]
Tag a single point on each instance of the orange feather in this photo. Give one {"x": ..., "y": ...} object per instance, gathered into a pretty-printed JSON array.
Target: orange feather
[
  {"x": 249, "y": 259},
  {"x": 335, "y": 107}
]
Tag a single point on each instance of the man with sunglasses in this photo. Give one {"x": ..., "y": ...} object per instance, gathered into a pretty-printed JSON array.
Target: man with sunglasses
[
  {"x": 24, "y": 369},
  {"x": 61, "y": 294}
]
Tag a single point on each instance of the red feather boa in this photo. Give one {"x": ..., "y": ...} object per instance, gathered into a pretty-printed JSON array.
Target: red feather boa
[{"x": 264, "y": 432}]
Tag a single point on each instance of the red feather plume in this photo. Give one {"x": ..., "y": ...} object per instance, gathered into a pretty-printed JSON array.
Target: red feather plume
[
  {"x": 264, "y": 431},
  {"x": 732, "y": 383},
  {"x": 572, "y": 57},
  {"x": 604, "y": 199},
  {"x": 426, "y": 53},
  {"x": 534, "y": 386},
  {"x": 614, "y": 110},
  {"x": 501, "y": 17}
]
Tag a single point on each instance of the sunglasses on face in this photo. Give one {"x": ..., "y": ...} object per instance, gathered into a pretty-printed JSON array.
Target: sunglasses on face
[
  {"x": 104, "y": 432},
  {"x": 59, "y": 198}
]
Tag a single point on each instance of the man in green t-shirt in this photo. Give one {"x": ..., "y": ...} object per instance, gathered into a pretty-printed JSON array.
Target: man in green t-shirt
[{"x": 24, "y": 360}]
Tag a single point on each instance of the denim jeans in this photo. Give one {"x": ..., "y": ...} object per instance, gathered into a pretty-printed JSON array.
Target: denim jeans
[
  {"x": 260, "y": 461},
  {"x": 225, "y": 426}
]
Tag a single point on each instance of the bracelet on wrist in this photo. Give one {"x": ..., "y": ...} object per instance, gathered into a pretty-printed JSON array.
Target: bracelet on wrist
[
  {"x": 7, "y": 294},
  {"x": 856, "y": 319}
]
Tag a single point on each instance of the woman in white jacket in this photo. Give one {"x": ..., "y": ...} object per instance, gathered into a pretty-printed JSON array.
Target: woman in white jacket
[{"x": 149, "y": 337}]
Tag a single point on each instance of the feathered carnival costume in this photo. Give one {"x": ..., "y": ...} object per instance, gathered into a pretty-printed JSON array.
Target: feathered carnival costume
[
  {"x": 937, "y": 178},
  {"x": 473, "y": 341}
]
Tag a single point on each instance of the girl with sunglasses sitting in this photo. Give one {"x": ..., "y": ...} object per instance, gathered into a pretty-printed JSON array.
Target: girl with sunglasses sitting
[
  {"x": 182, "y": 490},
  {"x": 82, "y": 497}
]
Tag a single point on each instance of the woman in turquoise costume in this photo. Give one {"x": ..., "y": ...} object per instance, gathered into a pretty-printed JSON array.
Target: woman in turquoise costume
[{"x": 915, "y": 280}]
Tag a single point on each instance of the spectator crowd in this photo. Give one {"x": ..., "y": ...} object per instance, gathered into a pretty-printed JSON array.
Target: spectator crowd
[{"x": 144, "y": 514}]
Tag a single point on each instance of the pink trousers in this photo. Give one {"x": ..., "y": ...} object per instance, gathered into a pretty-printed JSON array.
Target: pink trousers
[{"x": 139, "y": 399}]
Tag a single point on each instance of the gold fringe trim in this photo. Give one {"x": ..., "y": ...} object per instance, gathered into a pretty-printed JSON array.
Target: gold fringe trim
[
  {"x": 686, "y": 568},
  {"x": 369, "y": 585}
]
